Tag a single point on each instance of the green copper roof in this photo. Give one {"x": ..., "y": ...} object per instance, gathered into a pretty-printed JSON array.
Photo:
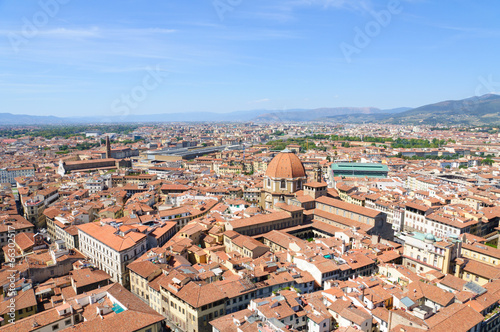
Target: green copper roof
[{"x": 360, "y": 167}]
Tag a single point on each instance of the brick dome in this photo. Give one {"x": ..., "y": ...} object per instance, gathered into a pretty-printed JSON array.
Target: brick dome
[{"x": 285, "y": 165}]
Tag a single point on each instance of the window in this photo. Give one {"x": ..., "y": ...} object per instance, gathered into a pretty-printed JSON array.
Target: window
[
  {"x": 283, "y": 184},
  {"x": 67, "y": 322},
  {"x": 55, "y": 327}
]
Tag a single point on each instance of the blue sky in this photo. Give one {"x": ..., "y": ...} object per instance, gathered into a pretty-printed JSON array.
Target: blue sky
[{"x": 81, "y": 58}]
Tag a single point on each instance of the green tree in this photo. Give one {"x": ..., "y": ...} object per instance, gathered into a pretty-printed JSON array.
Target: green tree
[{"x": 487, "y": 161}]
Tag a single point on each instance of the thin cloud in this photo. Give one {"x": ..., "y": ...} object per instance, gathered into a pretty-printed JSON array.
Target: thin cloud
[
  {"x": 92, "y": 32},
  {"x": 259, "y": 101},
  {"x": 359, "y": 5}
]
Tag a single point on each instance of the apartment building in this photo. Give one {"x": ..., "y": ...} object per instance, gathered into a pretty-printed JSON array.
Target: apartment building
[
  {"x": 479, "y": 263},
  {"x": 424, "y": 252},
  {"x": 9, "y": 175},
  {"x": 112, "y": 248},
  {"x": 113, "y": 308},
  {"x": 375, "y": 220},
  {"x": 13, "y": 224},
  {"x": 190, "y": 299},
  {"x": 264, "y": 223},
  {"x": 330, "y": 267},
  {"x": 245, "y": 245}
]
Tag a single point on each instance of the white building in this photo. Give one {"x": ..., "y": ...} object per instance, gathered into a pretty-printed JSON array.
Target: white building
[
  {"x": 111, "y": 249},
  {"x": 94, "y": 185},
  {"x": 8, "y": 175}
]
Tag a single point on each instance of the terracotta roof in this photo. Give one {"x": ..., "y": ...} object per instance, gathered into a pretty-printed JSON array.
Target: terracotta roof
[
  {"x": 348, "y": 206},
  {"x": 456, "y": 317},
  {"x": 87, "y": 276},
  {"x": 109, "y": 237},
  {"x": 285, "y": 165}
]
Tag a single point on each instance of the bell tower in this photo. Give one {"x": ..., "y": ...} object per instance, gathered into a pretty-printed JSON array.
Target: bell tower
[
  {"x": 108, "y": 147},
  {"x": 318, "y": 174}
]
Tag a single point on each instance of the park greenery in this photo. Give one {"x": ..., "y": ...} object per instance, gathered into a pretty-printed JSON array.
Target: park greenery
[
  {"x": 358, "y": 139},
  {"x": 304, "y": 142},
  {"x": 307, "y": 142},
  {"x": 79, "y": 146},
  {"x": 67, "y": 131},
  {"x": 430, "y": 157}
]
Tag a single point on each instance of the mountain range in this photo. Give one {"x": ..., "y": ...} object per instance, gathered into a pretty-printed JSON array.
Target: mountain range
[
  {"x": 481, "y": 110},
  {"x": 289, "y": 115}
]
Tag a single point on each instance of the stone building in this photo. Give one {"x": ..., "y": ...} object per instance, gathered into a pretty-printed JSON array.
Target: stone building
[{"x": 284, "y": 176}]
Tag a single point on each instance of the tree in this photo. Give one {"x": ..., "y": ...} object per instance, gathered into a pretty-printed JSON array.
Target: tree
[{"x": 487, "y": 161}]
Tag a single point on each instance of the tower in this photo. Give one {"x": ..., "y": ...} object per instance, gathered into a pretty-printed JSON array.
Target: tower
[
  {"x": 318, "y": 174},
  {"x": 108, "y": 147}
]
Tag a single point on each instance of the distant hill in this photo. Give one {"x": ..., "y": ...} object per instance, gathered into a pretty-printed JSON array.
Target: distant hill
[
  {"x": 23, "y": 119},
  {"x": 319, "y": 114},
  {"x": 12, "y": 119},
  {"x": 291, "y": 115},
  {"x": 482, "y": 110}
]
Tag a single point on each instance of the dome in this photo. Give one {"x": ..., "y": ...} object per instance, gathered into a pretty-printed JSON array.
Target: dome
[
  {"x": 285, "y": 165},
  {"x": 430, "y": 237}
]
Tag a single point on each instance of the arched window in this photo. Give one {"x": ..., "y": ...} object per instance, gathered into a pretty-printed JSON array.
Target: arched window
[
  {"x": 269, "y": 183},
  {"x": 283, "y": 184},
  {"x": 418, "y": 257}
]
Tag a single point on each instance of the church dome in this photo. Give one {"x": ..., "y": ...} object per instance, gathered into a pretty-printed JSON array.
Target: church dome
[{"x": 285, "y": 165}]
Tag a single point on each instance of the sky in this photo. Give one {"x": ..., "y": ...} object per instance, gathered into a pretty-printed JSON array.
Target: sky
[{"x": 113, "y": 58}]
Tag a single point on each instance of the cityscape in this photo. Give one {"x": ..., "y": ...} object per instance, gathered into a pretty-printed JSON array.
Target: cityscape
[{"x": 237, "y": 166}]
